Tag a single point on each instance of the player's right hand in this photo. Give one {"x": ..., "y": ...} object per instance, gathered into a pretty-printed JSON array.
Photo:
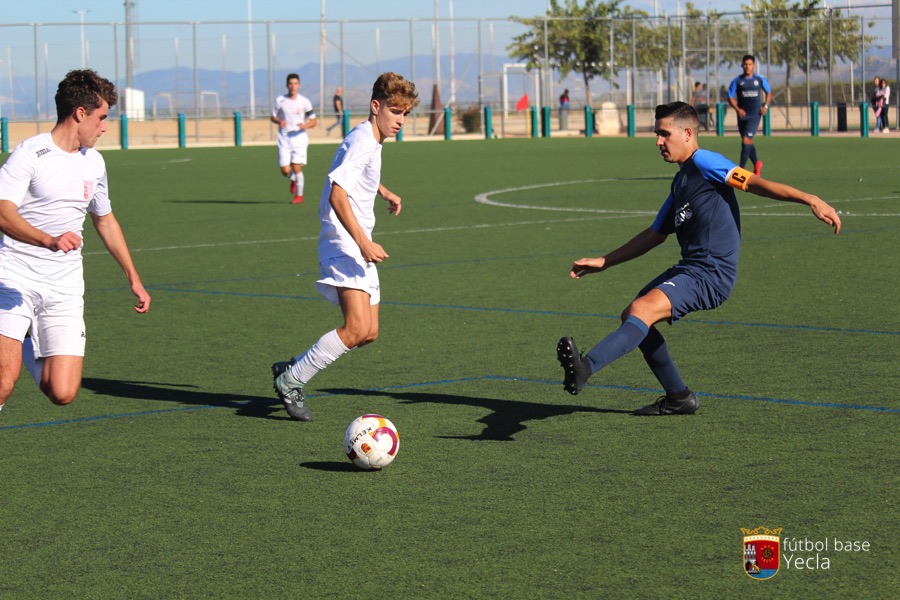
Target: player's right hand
[
  {"x": 585, "y": 266},
  {"x": 373, "y": 252},
  {"x": 65, "y": 243}
]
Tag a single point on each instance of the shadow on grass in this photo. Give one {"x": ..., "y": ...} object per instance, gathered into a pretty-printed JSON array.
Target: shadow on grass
[
  {"x": 506, "y": 417},
  {"x": 335, "y": 466},
  {"x": 245, "y": 406}
]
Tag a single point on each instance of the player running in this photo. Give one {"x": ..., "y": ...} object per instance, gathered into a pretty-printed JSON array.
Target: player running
[
  {"x": 347, "y": 254},
  {"x": 745, "y": 95},
  {"x": 294, "y": 114}
]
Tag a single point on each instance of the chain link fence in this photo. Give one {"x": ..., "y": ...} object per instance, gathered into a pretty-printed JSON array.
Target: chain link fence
[{"x": 199, "y": 74}]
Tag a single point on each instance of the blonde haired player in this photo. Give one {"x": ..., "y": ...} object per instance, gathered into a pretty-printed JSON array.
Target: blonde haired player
[
  {"x": 47, "y": 186},
  {"x": 702, "y": 211},
  {"x": 347, "y": 253},
  {"x": 294, "y": 114}
]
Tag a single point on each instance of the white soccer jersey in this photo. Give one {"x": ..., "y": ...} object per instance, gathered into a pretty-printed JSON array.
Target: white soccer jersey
[
  {"x": 54, "y": 190},
  {"x": 356, "y": 168},
  {"x": 294, "y": 112}
]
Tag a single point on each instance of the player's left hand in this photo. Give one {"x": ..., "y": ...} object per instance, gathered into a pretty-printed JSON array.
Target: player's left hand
[
  {"x": 393, "y": 202},
  {"x": 825, "y": 213}
]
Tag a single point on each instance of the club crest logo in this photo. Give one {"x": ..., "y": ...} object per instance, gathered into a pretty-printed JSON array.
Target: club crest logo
[
  {"x": 88, "y": 189},
  {"x": 761, "y": 552},
  {"x": 683, "y": 214}
]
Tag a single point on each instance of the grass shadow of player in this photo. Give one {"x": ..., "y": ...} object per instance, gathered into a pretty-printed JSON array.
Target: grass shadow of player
[
  {"x": 246, "y": 406},
  {"x": 504, "y": 419}
]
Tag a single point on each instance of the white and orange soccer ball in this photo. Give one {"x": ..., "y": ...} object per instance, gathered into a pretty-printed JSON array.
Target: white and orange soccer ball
[{"x": 371, "y": 442}]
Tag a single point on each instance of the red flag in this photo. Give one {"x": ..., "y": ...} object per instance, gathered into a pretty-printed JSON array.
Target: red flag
[{"x": 522, "y": 104}]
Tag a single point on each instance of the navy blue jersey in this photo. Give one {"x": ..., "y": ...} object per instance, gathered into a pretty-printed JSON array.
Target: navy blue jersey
[
  {"x": 702, "y": 212},
  {"x": 750, "y": 93}
]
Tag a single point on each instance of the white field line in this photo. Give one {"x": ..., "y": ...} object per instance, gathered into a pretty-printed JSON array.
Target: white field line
[{"x": 485, "y": 198}]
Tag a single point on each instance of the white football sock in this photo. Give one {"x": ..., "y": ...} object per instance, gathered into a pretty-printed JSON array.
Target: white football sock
[
  {"x": 34, "y": 365},
  {"x": 324, "y": 352},
  {"x": 298, "y": 177}
]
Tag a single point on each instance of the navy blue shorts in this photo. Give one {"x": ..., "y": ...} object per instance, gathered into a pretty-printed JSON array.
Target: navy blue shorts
[
  {"x": 748, "y": 126},
  {"x": 688, "y": 290}
]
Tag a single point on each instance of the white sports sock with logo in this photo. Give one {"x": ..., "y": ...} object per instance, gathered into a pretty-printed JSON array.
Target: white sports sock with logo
[
  {"x": 34, "y": 365},
  {"x": 324, "y": 352}
]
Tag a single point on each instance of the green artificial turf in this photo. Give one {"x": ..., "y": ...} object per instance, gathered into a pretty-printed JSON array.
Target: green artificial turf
[{"x": 176, "y": 473}]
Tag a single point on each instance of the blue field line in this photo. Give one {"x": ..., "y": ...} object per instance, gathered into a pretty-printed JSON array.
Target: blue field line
[{"x": 425, "y": 384}]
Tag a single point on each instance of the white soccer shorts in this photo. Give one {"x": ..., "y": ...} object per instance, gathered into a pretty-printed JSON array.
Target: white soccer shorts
[
  {"x": 56, "y": 320},
  {"x": 292, "y": 151},
  {"x": 348, "y": 272}
]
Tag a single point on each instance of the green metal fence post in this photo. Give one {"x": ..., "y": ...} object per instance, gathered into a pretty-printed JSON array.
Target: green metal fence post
[
  {"x": 545, "y": 121},
  {"x": 4, "y": 134},
  {"x": 767, "y": 124},
  {"x": 238, "y": 133},
  {"x": 814, "y": 118},
  {"x": 345, "y": 124},
  {"x": 488, "y": 125},
  {"x": 631, "y": 120},
  {"x": 864, "y": 119},
  {"x": 720, "y": 119},
  {"x": 182, "y": 134},
  {"x": 588, "y": 121},
  {"x": 123, "y": 131},
  {"x": 448, "y": 123}
]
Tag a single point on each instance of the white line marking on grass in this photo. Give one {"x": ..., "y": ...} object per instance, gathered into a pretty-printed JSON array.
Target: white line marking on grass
[
  {"x": 485, "y": 198},
  {"x": 383, "y": 234}
]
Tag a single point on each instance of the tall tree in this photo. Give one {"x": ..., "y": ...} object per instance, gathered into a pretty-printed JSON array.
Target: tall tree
[
  {"x": 578, "y": 39},
  {"x": 788, "y": 26}
]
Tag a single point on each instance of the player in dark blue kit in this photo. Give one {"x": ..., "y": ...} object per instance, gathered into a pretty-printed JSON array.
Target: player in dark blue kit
[
  {"x": 749, "y": 95},
  {"x": 702, "y": 212}
]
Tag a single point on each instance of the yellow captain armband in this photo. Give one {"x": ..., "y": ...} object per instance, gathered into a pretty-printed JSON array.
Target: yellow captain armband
[{"x": 738, "y": 178}]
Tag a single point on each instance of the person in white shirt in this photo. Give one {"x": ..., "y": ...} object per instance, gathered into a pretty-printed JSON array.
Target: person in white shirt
[
  {"x": 294, "y": 114},
  {"x": 347, "y": 253},
  {"x": 47, "y": 186}
]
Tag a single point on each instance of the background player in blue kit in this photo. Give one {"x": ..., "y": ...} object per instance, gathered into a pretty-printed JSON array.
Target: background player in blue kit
[
  {"x": 702, "y": 212},
  {"x": 749, "y": 95}
]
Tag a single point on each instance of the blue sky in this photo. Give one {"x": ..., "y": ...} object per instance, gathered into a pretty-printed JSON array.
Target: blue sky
[{"x": 62, "y": 11}]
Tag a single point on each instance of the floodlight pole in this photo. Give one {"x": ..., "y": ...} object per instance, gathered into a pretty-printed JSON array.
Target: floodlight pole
[
  {"x": 322, "y": 61},
  {"x": 81, "y": 14}
]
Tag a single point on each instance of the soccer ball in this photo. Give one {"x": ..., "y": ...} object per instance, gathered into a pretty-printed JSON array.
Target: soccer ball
[{"x": 371, "y": 442}]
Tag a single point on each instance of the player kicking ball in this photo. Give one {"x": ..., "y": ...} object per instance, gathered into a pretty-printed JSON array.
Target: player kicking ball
[
  {"x": 347, "y": 254},
  {"x": 702, "y": 212}
]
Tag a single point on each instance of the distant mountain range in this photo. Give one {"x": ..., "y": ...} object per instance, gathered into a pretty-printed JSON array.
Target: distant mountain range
[{"x": 170, "y": 91}]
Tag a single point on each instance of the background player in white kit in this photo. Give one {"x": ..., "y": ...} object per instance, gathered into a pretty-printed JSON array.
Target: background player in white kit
[
  {"x": 47, "y": 186},
  {"x": 347, "y": 254},
  {"x": 294, "y": 114}
]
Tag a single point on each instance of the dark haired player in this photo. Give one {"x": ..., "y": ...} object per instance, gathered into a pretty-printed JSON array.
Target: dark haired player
[
  {"x": 702, "y": 211},
  {"x": 745, "y": 95},
  {"x": 47, "y": 186}
]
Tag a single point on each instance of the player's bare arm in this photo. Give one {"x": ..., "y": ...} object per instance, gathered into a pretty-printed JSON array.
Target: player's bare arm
[
  {"x": 110, "y": 233},
  {"x": 393, "y": 199},
  {"x": 781, "y": 191},
  {"x": 13, "y": 225},
  {"x": 340, "y": 201},
  {"x": 633, "y": 248}
]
